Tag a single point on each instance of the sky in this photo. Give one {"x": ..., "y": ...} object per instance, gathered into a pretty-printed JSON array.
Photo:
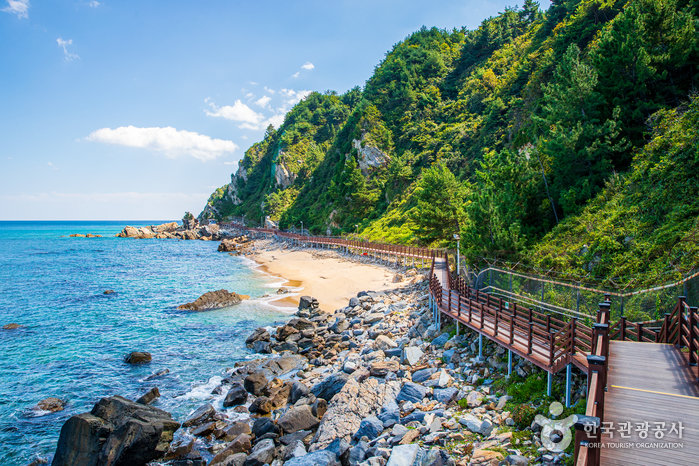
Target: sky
[{"x": 138, "y": 110}]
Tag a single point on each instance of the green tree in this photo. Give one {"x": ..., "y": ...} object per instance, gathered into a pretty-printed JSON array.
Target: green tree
[
  {"x": 439, "y": 212},
  {"x": 578, "y": 147}
]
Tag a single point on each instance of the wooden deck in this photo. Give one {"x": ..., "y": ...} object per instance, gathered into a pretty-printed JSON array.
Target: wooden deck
[{"x": 650, "y": 382}]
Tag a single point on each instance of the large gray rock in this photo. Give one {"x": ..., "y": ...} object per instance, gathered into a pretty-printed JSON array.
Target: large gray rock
[
  {"x": 355, "y": 402},
  {"x": 404, "y": 455},
  {"x": 475, "y": 425},
  {"x": 116, "y": 431},
  {"x": 317, "y": 458},
  {"x": 370, "y": 428},
  {"x": 445, "y": 395},
  {"x": 213, "y": 300},
  {"x": 329, "y": 387},
  {"x": 412, "y": 392},
  {"x": 237, "y": 395},
  {"x": 255, "y": 382},
  {"x": 423, "y": 374},
  {"x": 200, "y": 415},
  {"x": 298, "y": 418},
  {"x": 262, "y": 453},
  {"x": 411, "y": 355}
]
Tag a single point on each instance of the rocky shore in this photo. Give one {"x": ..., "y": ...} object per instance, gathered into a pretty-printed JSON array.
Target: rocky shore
[{"x": 374, "y": 383}]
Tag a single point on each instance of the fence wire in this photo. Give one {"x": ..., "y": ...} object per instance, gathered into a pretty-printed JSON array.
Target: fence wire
[{"x": 571, "y": 299}]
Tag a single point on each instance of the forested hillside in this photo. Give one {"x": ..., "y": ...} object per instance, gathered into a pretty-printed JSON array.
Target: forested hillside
[{"x": 563, "y": 140}]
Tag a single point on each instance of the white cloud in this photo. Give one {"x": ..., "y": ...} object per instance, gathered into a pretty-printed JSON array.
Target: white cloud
[
  {"x": 296, "y": 75},
  {"x": 276, "y": 120},
  {"x": 293, "y": 97},
  {"x": 20, "y": 8},
  {"x": 263, "y": 101},
  {"x": 68, "y": 56},
  {"x": 237, "y": 112},
  {"x": 308, "y": 66},
  {"x": 94, "y": 4},
  {"x": 52, "y": 166},
  {"x": 170, "y": 141},
  {"x": 270, "y": 90}
]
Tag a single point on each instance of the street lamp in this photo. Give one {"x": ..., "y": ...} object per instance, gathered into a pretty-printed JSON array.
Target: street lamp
[
  {"x": 302, "y": 227},
  {"x": 243, "y": 219},
  {"x": 356, "y": 230},
  {"x": 458, "y": 253}
]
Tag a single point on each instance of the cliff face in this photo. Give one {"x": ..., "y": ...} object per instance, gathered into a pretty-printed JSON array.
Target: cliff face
[{"x": 532, "y": 114}]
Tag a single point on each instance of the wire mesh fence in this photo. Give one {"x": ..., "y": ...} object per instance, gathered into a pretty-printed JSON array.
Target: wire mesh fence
[{"x": 573, "y": 299}]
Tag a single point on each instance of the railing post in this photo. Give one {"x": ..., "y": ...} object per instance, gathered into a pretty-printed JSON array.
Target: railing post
[
  {"x": 588, "y": 430},
  {"x": 548, "y": 323},
  {"x": 639, "y": 334},
  {"x": 529, "y": 338},
  {"x": 600, "y": 329},
  {"x": 512, "y": 329},
  {"x": 623, "y": 328},
  {"x": 598, "y": 364},
  {"x": 665, "y": 334},
  {"x": 692, "y": 336},
  {"x": 552, "y": 348},
  {"x": 680, "y": 316},
  {"x": 573, "y": 333}
]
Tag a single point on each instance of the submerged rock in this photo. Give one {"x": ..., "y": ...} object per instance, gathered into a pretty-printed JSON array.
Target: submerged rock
[
  {"x": 116, "y": 431},
  {"x": 138, "y": 357},
  {"x": 214, "y": 300},
  {"x": 51, "y": 404},
  {"x": 12, "y": 326}
]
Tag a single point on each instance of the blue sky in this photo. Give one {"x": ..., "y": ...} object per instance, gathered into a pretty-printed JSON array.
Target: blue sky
[{"x": 140, "y": 109}]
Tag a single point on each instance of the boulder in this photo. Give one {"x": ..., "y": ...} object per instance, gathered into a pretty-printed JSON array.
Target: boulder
[
  {"x": 51, "y": 404},
  {"x": 116, "y": 431},
  {"x": 264, "y": 425},
  {"x": 381, "y": 368},
  {"x": 329, "y": 387},
  {"x": 383, "y": 342},
  {"x": 262, "y": 405},
  {"x": 262, "y": 453},
  {"x": 412, "y": 392},
  {"x": 370, "y": 427},
  {"x": 404, "y": 455},
  {"x": 235, "y": 429},
  {"x": 213, "y": 300},
  {"x": 261, "y": 334},
  {"x": 445, "y": 395},
  {"x": 317, "y": 458},
  {"x": 298, "y": 418},
  {"x": 149, "y": 397},
  {"x": 235, "y": 396},
  {"x": 11, "y": 326},
  {"x": 307, "y": 302},
  {"x": 355, "y": 402},
  {"x": 108, "y": 292},
  {"x": 255, "y": 382},
  {"x": 474, "y": 399},
  {"x": 440, "y": 340},
  {"x": 411, "y": 355},
  {"x": 138, "y": 357},
  {"x": 241, "y": 444},
  {"x": 423, "y": 374},
  {"x": 200, "y": 416},
  {"x": 298, "y": 390},
  {"x": 478, "y": 426}
]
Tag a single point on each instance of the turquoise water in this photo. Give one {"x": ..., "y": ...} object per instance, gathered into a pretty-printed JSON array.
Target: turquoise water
[{"x": 74, "y": 337}]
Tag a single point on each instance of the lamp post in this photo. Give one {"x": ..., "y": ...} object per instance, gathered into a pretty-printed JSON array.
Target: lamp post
[
  {"x": 301, "y": 227},
  {"x": 356, "y": 230},
  {"x": 243, "y": 219},
  {"x": 458, "y": 253}
]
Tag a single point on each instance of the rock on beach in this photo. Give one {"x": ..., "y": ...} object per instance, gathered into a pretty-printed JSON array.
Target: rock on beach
[{"x": 214, "y": 300}]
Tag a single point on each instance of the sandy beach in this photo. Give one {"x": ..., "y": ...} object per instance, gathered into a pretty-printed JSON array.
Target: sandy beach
[{"x": 323, "y": 274}]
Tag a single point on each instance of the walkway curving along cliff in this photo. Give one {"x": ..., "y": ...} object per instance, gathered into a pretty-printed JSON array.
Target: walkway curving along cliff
[{"x": 638, "y": 372}]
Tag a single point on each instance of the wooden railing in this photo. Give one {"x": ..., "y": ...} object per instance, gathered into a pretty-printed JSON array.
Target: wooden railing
[{"x": 356, "y": 245}]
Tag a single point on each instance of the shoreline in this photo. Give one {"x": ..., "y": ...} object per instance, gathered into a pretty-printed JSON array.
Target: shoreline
[{"x": 328, "y": 276}]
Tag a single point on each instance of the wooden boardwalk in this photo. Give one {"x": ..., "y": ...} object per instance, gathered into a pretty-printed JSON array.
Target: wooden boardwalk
[
  {"x": 549, "y": 343},
  {"x": 650, "y": 382}
]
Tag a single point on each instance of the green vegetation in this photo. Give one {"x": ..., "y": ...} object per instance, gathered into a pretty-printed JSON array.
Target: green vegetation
[{"x": 563, "y": 140}]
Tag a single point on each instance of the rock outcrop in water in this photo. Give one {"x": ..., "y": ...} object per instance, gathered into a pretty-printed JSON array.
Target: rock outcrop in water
[
  {"x": 12, "y": 326},
  {"x": 51, "y": 404},
  {"x": 117, "y": 431},
  {"x": 238, "y": 245},
  {"x": 172, "y": 230},
  {"x": 138, "y": 357},
  {"x": 214, "y": 300}
]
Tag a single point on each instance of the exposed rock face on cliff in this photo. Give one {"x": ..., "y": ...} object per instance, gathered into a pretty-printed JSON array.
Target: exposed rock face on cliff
[
  {"x": 283, "y": 176},
  {"x": 369, "y": 157},
  {"x": 214, "y": 300},
  {"x": 116, "y": 432}
]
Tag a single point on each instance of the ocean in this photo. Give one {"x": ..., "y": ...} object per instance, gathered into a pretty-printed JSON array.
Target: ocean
[{"x": 74, "y": 338}]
